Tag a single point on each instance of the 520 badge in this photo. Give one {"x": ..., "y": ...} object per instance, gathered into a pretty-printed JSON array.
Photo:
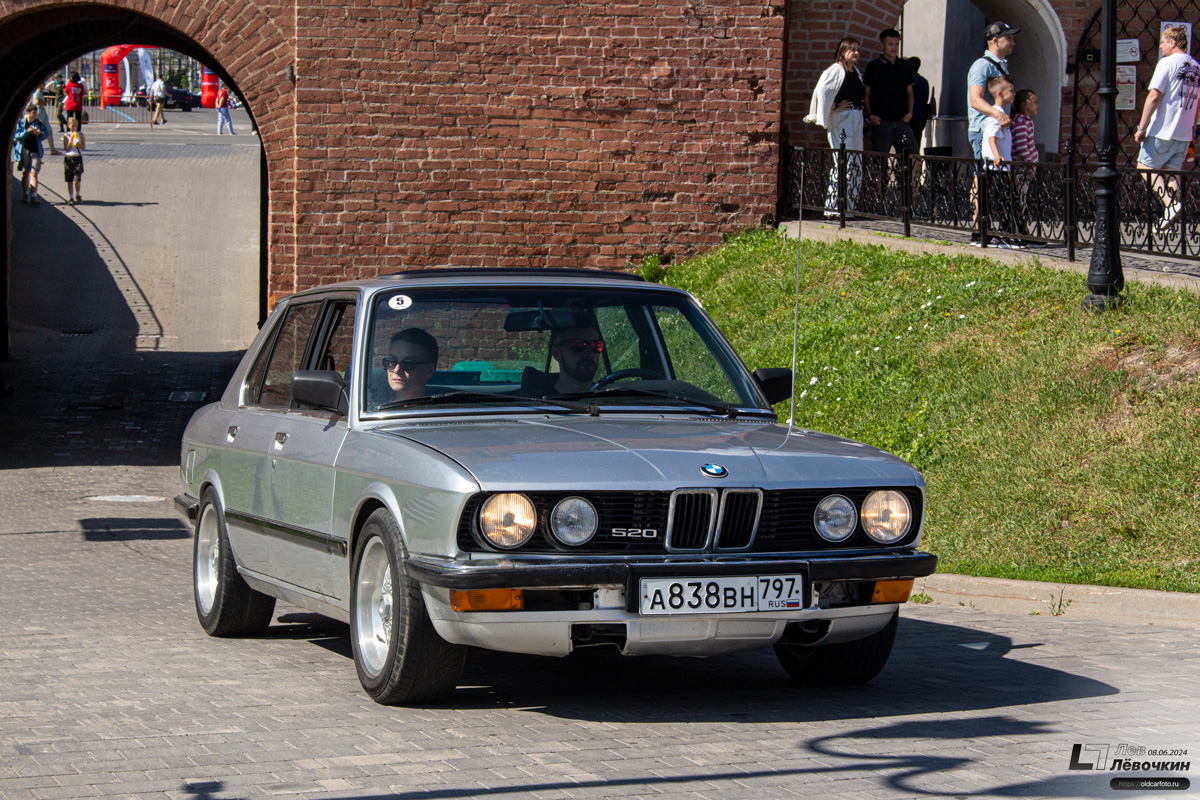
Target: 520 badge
[{"x": 635, "y": 533}]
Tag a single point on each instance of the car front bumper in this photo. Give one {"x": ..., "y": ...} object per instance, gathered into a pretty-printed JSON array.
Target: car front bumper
[{"x": 512, "y": 573}]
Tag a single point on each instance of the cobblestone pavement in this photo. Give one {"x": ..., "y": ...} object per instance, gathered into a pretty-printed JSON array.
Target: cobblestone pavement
[
  {"x": 112, "y": 689},
  {"x": 109, "y": 688}
]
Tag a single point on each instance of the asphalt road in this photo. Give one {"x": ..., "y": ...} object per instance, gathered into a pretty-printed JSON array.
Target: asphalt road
[{"x": 108, "y": 686}]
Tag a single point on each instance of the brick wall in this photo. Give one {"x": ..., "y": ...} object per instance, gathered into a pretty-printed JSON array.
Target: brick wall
[
  {"x": 526, "y": 133},
  {"x": 529, "y": 133}
]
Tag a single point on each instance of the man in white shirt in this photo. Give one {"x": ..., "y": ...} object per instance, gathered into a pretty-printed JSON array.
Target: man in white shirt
[
  {"x": 1169, "y": 116},
  {"x": 158, "y": 97}
]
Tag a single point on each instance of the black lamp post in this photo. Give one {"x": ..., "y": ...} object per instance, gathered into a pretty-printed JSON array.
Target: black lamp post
[{"x": 1105, "y": 278}]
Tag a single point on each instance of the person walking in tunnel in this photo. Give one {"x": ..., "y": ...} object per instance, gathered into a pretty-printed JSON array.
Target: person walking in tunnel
[
  {"x": 158, "y": 101},
  {"x": 56, "y": 91},
  {"x": 73, "y": 147},
  {"x": 40, "y": 100},
  {"x": 28, "y": 152},
  {"x": 223, "y": 118},
  {"x": 73, "y": 94}
]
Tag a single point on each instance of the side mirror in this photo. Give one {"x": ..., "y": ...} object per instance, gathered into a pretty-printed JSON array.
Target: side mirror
[
  {"x": 775, "y": 383},
  {"x": 321, "y": 388}
]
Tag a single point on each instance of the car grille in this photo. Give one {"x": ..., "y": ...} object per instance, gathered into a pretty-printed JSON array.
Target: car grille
[
  {"x": 693, "y": 521},
  {"x": 738, "y": 519}
]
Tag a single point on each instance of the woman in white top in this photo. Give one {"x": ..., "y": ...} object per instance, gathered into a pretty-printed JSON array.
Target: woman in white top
[{"x": 837, "y": 106}]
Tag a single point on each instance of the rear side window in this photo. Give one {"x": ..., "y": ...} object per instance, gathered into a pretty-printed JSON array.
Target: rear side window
[
  {"x": 338, "y": 348},
  {"x": 270, "y": 380}
]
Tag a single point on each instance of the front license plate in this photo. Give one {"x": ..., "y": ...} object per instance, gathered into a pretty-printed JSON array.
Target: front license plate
[{"x": 722, "y": 595}]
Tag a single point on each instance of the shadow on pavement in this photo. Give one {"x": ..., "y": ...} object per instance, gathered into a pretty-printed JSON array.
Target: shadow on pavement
[
  {"x": 126, "y": 529},
  {"x": 935, "y": 668},
  {"x": 89, "y": 386},
  {"x": 87, "y": 405}
]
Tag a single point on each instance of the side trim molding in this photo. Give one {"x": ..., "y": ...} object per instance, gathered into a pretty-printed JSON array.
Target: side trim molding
[{"x": 301, "y": 536}]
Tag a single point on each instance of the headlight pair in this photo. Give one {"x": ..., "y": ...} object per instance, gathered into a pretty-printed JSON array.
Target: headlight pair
[
  {"x": 509, "y": 520},
  {"x": 886, "y": 517}
]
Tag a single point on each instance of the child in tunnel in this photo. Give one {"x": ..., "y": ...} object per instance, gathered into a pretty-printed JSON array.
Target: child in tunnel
[{"x": 73, "y": 147}]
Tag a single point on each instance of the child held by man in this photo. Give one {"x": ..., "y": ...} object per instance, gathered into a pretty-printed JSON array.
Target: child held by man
[{"x": 997, "y": 156}]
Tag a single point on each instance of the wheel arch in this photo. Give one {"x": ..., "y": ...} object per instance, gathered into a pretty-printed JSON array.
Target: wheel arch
[
  {"x": 376, "y": 496},
  {"x": 211, "y": 478}
]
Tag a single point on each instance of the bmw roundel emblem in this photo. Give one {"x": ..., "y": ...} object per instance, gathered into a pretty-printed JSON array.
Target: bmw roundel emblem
[{"x": 714, "y": 471}]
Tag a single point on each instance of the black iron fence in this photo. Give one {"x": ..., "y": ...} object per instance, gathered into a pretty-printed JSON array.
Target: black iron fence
[{"x": 1016, "y": 205}]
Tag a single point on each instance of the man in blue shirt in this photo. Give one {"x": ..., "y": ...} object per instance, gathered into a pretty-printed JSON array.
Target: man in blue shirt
[{"x": 993, "y": 62}]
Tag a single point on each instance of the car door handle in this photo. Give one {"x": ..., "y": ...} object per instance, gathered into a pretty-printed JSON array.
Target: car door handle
[
  {"x": 281, "y": 439},
  {"x": 233, "y": 431}
]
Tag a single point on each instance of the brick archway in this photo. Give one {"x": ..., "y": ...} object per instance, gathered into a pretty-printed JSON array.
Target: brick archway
[
  {"x": 242, "y": 45},
  {"x": 513, "y": 133}
]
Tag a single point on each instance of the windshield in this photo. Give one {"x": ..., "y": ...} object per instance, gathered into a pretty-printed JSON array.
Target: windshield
[{"x": 570, "y": 351}]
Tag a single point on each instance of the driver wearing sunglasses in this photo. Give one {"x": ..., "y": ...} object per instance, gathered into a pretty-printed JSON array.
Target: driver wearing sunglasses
[
  {"x": 410, "y": 363},
  {"x": 577, "y": 351}
]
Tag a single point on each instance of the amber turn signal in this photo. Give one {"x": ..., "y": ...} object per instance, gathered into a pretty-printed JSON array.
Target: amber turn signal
[
  {"x": 490, "y": 599},
  {"x": 892, "y": 591}
]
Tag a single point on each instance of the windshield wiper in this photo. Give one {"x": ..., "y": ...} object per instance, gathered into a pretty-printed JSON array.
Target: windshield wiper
[
  {"x": 453, "y": 397},
  {"x": 729, "y": 411}
]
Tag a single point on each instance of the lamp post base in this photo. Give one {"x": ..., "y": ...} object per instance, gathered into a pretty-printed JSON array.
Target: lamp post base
[{"x": 1102, "y": 302}]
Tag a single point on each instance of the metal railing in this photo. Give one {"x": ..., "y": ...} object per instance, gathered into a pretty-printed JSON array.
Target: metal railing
[{"x": 1023, "y": 203}]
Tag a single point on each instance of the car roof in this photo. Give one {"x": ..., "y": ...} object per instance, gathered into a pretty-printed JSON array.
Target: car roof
[{"x": 475, "y": 277}]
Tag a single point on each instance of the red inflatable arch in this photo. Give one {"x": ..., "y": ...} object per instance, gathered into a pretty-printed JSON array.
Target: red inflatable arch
[{"x": 110, "y": 82}]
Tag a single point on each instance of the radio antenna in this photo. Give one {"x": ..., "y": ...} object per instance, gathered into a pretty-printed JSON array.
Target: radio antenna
[{"x": 795, "y": 332}]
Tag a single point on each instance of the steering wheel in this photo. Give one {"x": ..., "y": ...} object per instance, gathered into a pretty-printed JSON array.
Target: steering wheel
[{"x": 626, "y": 373}]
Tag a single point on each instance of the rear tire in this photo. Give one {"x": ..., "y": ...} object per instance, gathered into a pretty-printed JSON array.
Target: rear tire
[
  {"x": 842, "y": 664},
  {"x": 225, "y": 604},
  {"x": 399, "y": 657}
]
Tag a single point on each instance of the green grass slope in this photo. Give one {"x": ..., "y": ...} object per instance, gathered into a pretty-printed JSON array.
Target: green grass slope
[{"x": 1057, "y": 445}]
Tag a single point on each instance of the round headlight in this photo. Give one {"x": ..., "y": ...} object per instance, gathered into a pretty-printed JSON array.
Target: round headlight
[
  {"x": 835, "y": 518},
  {"x": 507, "y": 520},
  {"x": 886, "y": 516},
  {"x": 574, "y": 521}
]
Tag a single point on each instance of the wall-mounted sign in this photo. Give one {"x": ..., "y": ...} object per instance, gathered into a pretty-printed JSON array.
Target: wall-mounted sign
[
  {"x": 1126, "y": 87},
  {"x": 1128, "y": 51}
]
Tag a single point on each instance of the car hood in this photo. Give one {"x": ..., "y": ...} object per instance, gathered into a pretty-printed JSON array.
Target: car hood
[{"x": 652, "y": 454}]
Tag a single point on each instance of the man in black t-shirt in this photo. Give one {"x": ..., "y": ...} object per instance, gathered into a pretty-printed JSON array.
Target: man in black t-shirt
[{"x": 889, "y": 101}]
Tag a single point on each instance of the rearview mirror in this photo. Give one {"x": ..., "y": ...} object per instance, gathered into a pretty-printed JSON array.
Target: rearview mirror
[
  {"x": 321, "y": 388},
  {"x": 775, "y": 383}
]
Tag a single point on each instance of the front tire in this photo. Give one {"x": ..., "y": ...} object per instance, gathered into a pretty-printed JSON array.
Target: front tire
[
  {"x": 399, "y": 657},
  {"x": 842, "y": 664},
  {"x": 225, "y": 605}
]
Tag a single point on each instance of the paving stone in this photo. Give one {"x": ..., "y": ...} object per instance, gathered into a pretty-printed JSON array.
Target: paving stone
[{"x": 111, "y": 685}]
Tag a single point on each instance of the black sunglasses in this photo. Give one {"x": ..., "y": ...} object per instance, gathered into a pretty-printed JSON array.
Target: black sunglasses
[{"x": 403, "y": 365}]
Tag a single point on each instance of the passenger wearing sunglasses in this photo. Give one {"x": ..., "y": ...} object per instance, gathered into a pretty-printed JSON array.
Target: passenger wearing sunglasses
[
  {"x": 577, "y": 351},
  {"x": 410, "y": 363}
]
